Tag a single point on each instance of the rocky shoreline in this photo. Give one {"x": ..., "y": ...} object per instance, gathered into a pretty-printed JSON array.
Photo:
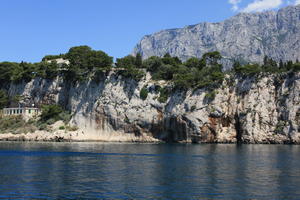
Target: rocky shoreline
[
  {"x": 73, "y": 137},
  {"x": 42, "y": 136}
]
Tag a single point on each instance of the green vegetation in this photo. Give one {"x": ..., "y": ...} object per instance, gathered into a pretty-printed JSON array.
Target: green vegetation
[
  {"x": 47, "y": 70},
  {"x": 296, "y": 67},
  {"x": 194, "y": 73},
  {"x": 3, "y": 99},
  {"x": 162, "y": 68},
  {"x": 53, "y": 113},
  {"x": 84, "y": 62},
  {"x": 71, "y": 128},
  {"x": 268, "y": 67},
  {"x": 16, "y": 125},
  {"x": 279, "y": 127},
  {"x": 210, "y": 95},
  {"x": 126, "y": 120},
  {"x": 248, "y": 70},
  {"x": 164, "y": 94},
  {"x": 23, "y": 72},
  {"x": 6, "y": 71},
  {"x": 144, "y": 93},
  {"x": 193, "y": 108},
  {"x": 129, "y": 67},
  {"x": 50, "y": 114}
]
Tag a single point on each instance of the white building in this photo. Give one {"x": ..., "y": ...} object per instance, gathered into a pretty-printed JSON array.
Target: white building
[
  {"x": 26, "y": 112},
  {"x": 60, "y": 61}
]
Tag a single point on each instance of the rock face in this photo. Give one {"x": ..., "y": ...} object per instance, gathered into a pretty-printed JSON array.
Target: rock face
[
  {"x": 244, "y": 37},
  {"x": 252, "y": 110}
]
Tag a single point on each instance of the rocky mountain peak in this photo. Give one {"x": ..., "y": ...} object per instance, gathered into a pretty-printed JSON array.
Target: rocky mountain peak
[{"x": 246, "y": 37}]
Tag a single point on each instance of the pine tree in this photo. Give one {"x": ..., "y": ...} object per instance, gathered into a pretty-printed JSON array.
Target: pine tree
[
  {"x": 138, "y": 60},
  {"x": 266, "y": 60},
  {"x": 281, "y": 64}
]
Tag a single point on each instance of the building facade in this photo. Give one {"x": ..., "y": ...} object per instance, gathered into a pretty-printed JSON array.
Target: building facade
[{"x": 27, "y": 111}]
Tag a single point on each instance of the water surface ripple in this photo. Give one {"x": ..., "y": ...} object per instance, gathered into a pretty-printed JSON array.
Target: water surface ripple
[{"x": 148, "y": 171}]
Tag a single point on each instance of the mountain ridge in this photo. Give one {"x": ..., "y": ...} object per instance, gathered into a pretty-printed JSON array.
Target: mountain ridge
[{"x": 246, "y": 37}]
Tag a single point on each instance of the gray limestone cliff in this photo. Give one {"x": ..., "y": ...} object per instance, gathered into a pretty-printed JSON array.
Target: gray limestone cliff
[
  {"x": 253, "y": 110},
  {"x": 245, "y": 37}
]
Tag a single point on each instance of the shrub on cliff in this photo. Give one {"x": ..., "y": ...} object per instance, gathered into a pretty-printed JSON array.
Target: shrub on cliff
[
  {"x": 47, "y": 70},
  {"x": 132, "y": 73},
  {"x": 248, "y": 70},
  {"x": 163, "y": 68},
  {"x": 167, "y": 59},
  {"x": 210, "y": 96},
  {"x": 194, "y": 73},
  {"x": 23, "y": 72},
  {"x": 195, "y": 63},
  {"x": 129, "y": 67},
  {"x": 52, "y": 113},
  {"x": 15, "y": 124},
  {"x": 296, "y": 67},
  {"x": 3, "y": 99},
  {"x": 164, "y": 94},
  {"x": 144, "y": 93},
  {"x": 152, "y": 64},
  {"x": 269, "y": 66},
  {"x": 185, "y": 78}
]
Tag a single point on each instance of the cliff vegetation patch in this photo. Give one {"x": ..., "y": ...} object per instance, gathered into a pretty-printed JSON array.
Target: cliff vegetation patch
[{"x": 82, "y": 63}]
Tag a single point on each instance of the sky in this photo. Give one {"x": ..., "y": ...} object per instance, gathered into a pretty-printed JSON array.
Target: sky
[{"x": 31, "y": 29}]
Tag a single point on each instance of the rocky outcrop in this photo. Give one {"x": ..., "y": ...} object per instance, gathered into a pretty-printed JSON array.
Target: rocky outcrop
[
  {"x": 244, "y": 37},
  {"x": 249, "y": 110}
]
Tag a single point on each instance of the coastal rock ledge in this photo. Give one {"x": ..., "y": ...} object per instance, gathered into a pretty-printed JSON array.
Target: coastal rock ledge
[{"x": 263, "y": 109}]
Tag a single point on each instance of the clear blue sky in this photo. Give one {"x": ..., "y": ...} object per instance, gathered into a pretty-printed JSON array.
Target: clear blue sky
[{"x": 31, "y": 29}]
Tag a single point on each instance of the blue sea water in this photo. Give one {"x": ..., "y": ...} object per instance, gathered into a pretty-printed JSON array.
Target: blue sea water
[{"x": 148, "y": 171}]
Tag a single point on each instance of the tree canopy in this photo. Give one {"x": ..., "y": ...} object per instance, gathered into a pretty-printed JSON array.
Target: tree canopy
[
  {"x": 86, "y": 63},
  {"x": 84, "y": 60}
]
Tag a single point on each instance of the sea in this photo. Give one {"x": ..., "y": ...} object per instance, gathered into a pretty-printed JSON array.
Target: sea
[{"x": 35, "y": 170}]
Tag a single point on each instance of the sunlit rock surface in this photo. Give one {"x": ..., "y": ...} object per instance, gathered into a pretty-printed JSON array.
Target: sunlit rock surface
[
  {"x": 245, "y": 37},
  {"x": 251, "y": 110}
]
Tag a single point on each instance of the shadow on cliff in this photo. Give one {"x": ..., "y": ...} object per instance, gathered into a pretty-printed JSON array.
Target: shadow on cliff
[
  {"x": 86, "y": 94},
  {"x": 244, "y": 85},
  {"x": 171, "y": 129},
  {"x": 38, "y": 91},
  {"x": 177, "y": 98},
  {"x": 129, "y": 86}
]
